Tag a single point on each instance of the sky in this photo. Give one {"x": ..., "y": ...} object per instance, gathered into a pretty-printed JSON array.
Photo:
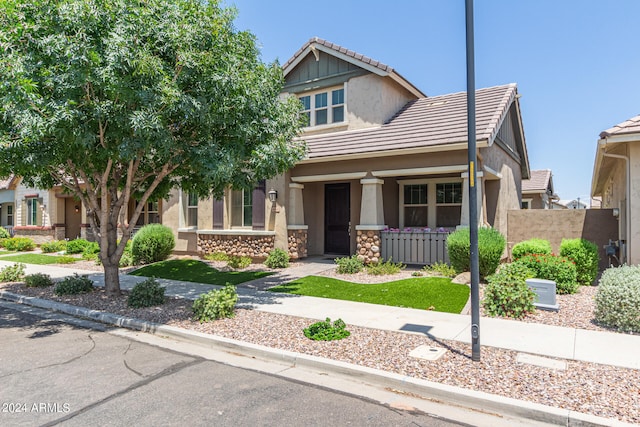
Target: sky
[{"x": 576, "y": 62}]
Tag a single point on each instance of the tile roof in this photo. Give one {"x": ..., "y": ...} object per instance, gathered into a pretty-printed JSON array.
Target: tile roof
[
  {"x": 539, "y": 181},
  {"x": 421, "y": 124},
  {"x": 630, "y": 126},
  {"x": 340, "y": 49}
]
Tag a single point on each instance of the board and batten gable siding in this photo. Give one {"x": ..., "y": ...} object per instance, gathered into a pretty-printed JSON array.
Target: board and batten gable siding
[
  {"x": 328, "y": 71},
  {"x": 506, "y": 135}
]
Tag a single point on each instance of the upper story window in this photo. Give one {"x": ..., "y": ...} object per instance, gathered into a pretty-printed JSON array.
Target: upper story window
[{"x": 324, "y": 107}]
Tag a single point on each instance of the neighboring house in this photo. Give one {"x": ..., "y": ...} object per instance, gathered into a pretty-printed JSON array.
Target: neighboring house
[
  {"x": 7, "y": 204},
  {"x": 537, "y": 191},
  {"x": 616, "y": 179},
  {"x": 381, "y": 154},
  {"x": 573, "y": 204}
]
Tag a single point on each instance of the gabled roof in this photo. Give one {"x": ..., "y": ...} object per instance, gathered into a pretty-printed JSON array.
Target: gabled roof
[
  {"x": 429, "y": 124},
  {"x": 630, "y": 126},
  {"x": 7, "y": 183},
  {"x": 362, "y": 61},
  {"x": 538, "y": 183}
]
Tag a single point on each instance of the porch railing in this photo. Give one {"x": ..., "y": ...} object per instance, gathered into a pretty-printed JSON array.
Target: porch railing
[
  {"x": 415, "y": 247},
  {"x": 9, "y": 228}
]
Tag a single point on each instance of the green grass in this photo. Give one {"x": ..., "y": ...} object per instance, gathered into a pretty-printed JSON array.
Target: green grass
[
  {"x": 190, "y": 270},
  {"x": 421, "y": 293},
  {"x": 31, "y": 258}
]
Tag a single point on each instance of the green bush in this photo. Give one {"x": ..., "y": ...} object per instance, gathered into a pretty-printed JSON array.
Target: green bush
[
  {"x": 152, "y": 243},
  {"x": 239, "y": 262},
  {"x": 53, "y": 246},
  {"x": 66, "y": 259},
  {"x": 618, "y": 298},
  {"x": 440, "y": 268},
  {"x": 4, "y": 233},
  {"x": 382, "y": 268},
  {"x": 146, "y": 294},
  {"x": 12, "y": 273},
  {"x": 349, "y": 265},
  {"x": 216, "y": 304},
  {"x": 20, "y": 244},
  {"x": 277, "y": 258},
  {"x": 217, "y": 256},
  {"x": 491, "y": 245},
  {"x": 38, "y": 280},
  {"x": 73, "y": 285},
  {"x": 325, "y": 331},
  {"x": 551, "y": 267},
  {"x": 507, "y": 294},
  {"x": 585, "y": 255},
  {"x": 76, "y": 246},
  {"x": 531, "y": 246}
]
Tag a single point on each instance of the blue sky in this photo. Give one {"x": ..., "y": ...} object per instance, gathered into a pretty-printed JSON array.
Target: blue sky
[{"x": 576, "y": 62}]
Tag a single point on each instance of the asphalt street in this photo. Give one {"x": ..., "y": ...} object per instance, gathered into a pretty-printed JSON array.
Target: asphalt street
[{"x": 56, "y": 373}]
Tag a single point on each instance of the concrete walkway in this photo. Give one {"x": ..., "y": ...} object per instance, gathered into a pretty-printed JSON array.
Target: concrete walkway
[{"x": 544, "y": 340}]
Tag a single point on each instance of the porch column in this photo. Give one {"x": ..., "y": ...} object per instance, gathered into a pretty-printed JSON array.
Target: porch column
[
  {"x": 371, "y": 221},
  {"x": 297, "y": 231},
  {"x": 464, "y": 215}
]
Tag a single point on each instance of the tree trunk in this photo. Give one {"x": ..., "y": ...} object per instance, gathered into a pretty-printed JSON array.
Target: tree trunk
[{"x": 111, "y": 278}]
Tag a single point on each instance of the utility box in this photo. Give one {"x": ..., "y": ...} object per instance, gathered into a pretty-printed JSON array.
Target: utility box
[{"x": 546, "y": 292}]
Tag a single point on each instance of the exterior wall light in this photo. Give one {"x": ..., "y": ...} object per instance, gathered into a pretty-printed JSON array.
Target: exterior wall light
[
  {"x": 273, "y": 195},
  {"x": 616, "y": 212}
]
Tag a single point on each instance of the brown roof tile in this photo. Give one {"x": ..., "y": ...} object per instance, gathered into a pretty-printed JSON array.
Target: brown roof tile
[
  {"x": 425, "y": 122},
  {"x": 630, "y": 126},
  {"x": 539, "y": 181}
]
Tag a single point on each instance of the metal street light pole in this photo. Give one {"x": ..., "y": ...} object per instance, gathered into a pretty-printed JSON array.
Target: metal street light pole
[{"x": 473, "y": 196}]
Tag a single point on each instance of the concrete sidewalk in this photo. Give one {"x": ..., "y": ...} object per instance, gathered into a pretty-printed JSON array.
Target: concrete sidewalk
[{"x": 608, "y": 348}]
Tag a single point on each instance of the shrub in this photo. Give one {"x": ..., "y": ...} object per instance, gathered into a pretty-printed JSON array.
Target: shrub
[
  {"x": 12, "y": 273},
  {"x": 76, "y": 246},
  {"x": 240, "y": 262},
  {"x": 53, "y": 246},
  {"x": 507, "y": 294},
  {"x": 277, "y": 258},
  {"x": 585, "y": 255},
  {"x": 4, "y": 233},
  {"x": 349, "y": 265},
  {"x": 551, "y": 267},
  {"x": 146, "y": 294},
  {"x": 217, "y": 256},
  {"x": 382, "y": 268},
  {"x": 531, "y": 246},
  {"x": 440, "y": 268},
  {"x": 20, "y": 244},
  {"x": 66, "y": 259},
  {"x": 491, "y": 245},
  {"x": 325, "y": 331},
  {"x": 216, "y": 304},
  {"x": 73, "y": 285},
  {"x": 152, "y": 243},
  {"x": 38, "y": 280},
  {"x": 618, "y": 298}
]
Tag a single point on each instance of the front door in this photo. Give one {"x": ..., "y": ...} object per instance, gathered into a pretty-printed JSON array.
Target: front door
[
  {"x": 73, "y": 218},
  {"x": 336, "y": 219}
]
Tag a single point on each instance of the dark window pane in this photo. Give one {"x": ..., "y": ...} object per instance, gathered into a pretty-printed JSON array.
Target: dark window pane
[
  {"x": 449, "y": 192},
  {"x": 306, "y": 102},
  {"x": 448, "y": 216},
  {"x": 306, "y": 118},
  {"x": 338, "y": 114},
  {"x": 415, "y": 216},
  {"x": 321, "y": 100},
  {"x": 337, "y": 97},
  {"x": 415, "y": 194},
  {"x": 321, "y": 117}
]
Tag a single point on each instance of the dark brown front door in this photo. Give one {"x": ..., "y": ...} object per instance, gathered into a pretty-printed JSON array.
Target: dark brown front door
[
  {"x": 73, "y": 218},
  {"x": 336, "y": 219}
]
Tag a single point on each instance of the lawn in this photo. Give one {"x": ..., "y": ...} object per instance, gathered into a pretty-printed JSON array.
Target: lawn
[
  {"x": 435, "y": 293},
  {"x": 191, "y": 270},
  {"x": 32, "y": 258}
]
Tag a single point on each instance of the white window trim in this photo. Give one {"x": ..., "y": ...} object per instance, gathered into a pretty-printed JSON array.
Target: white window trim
[
  {"x": 528, "y": 202},
  {"x": 330, "y": 106},
  {"x": 432, "y": 206}
]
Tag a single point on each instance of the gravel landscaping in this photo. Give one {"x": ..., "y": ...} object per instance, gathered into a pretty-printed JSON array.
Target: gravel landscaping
[{"x": 591, "y": 388}]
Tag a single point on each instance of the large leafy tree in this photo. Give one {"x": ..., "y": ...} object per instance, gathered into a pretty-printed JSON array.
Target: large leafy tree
[{"x": 117, "y": 100}]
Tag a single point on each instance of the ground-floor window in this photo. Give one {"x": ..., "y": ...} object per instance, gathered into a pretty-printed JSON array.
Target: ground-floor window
[
  {"x": 430, "y": 203},
  {"x": 241, "y": 208},
  {"x": 32, "y": 211},
  {"x": 150, "y": 214},
  {"x": 10, "y": 215}
]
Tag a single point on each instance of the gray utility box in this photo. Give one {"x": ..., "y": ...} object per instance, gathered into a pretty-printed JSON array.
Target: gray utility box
[{"x": 546, "y": 292}]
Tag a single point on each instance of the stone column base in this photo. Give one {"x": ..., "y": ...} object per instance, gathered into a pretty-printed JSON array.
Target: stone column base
[
  {"x": 297, "y": 241},
  {"x": 368, "y": 244}
]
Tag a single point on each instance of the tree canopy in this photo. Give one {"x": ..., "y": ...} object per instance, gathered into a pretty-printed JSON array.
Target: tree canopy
[{"x": 122, "y": 99}]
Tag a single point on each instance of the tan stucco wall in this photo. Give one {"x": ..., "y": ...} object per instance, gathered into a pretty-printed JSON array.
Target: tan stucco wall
[
  {"x": 372, "y": 100},
  {"x": 634, "y": 154}
]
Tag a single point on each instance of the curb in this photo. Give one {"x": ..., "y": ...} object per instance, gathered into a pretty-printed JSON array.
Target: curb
[{"x": 472, "y": 399}]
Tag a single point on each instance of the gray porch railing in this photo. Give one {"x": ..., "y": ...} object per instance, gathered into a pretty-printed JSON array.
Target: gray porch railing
[
  {"x": 415, "y": 247},
  {"x": 9, "y": 228}
]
